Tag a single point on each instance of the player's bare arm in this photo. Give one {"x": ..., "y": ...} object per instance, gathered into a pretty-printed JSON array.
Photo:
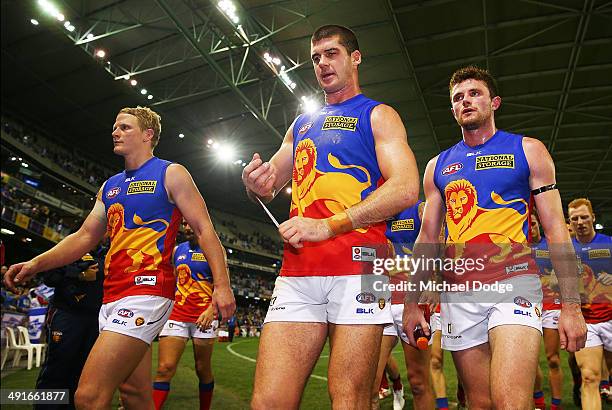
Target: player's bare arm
[
  {"x": 70, "y": 249},
  {"x": 572, "y": 328},
  {"x": 426, "y": 246},
  {"x": 184, "y": 193},
  {"x": 399, "y": 191},
  {"x": 265, "y": 179}
]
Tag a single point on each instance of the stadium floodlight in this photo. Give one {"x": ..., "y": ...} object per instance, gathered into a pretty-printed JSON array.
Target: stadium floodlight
[
  {"x": 23, "y": 164},
  {"x": 27, "y": 239},
  {"x": 143, "y": 91},
  {"x": 288, "y": 190},
  {"x": 150, "y": 97},
  {"x": 90, "y": 36},
  {"x": 309, "y": 104},
  {"x": 599, "y": 227},
  {"x": 60, "y": 17},
  {"x": 229, "y": 9},
  {"x": 50, "y": 8},
  {"x": 34, "y": 22},
  {"x": 181, "y": 135},
  {"x": 13, "y": 158},
  {"x": 100, "y": 53},
  {"x": 70, "y": 28},
  {"x": 7, "y": 231},
  {"x": 210, "y": 141},
  {"x": 226, "y": 152},
  {"x": 133, "y": 82}
]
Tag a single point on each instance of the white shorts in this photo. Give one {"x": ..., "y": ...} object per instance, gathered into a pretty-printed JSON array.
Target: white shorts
[
  {"x": 550, "y": 319},
  {"x": 333, "y": 299},
  {"x": 599, "y": 334},
  {"x": 435, "y": 322},
  {"x": 140, "y": 316},
  {"x": 467, "y": 317},
  {"x": 397, "y": 327},
  {"x": 188, "y": 329}
]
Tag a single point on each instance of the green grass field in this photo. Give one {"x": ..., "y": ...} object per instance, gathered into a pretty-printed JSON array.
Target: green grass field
[{"x": 234, "y": 367}]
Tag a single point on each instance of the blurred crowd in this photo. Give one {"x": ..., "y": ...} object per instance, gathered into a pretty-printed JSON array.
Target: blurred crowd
[{"x": 68, "y": 159}]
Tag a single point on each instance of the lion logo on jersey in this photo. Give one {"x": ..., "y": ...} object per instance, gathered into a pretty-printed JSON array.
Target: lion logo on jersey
[
  {"x": 186, "y": 285},
  {"x": 138, "y": 242},
  {"x": 467, "y": 221},
  {"x": 337, "y": 190}
]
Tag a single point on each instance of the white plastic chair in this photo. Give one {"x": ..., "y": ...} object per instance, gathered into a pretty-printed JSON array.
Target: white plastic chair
[
  {"x": 39, "y": 348},
  {"x": 18, "y": 348},
  {"x": 5, "y": 351}
]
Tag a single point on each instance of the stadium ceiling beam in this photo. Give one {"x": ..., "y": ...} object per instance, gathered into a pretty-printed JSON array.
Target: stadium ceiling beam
[
  {"x": 599, "y": 168},
  {"x": 490, "y": 26},
  {"x": 583, "y": 25},
  {"x": 411, "y": 71},
  {"x": 521, "y": 51},
  {"x": 259, "y": 115}
]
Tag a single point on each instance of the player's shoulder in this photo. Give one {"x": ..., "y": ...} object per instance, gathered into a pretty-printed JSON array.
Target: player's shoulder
[{"x": 602, "y": 238}]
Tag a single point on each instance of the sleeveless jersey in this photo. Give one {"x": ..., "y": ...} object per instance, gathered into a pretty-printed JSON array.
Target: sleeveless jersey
[
  {"x": 596, "y": 259},
  {"x": 488, "y": 201},
  {"x": 551, "y": 300},
  {"x": 194, "y": 283},
  {"x": 142, "y": 226},
  {"x": 335, "y": 167},
  {"x": 402, "y": 231}
]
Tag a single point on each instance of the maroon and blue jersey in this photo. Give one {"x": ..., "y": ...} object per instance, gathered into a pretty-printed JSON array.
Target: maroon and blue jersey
[
  {"x": 402, "y": 231},
  {"x": 550, "y": 291},
  {"x": 596, "y": 259},
  {"x": 488, "y": 200},
  {"x": 335, "y": 167},
  {"x": 194, "y": 283},
  {"x": 142, "y": 225}
]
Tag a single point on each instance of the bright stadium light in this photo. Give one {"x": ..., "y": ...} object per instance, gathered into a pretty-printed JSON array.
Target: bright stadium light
[
  {"x": 288, "y": 190},
  {"x": 34, "y": 21},
  {"x": 599, "y": 227},
  {"x": 133, "y": 82},
  {"x": 229, "y": 9},
  {"x": 150, "y": 97},
  {"x": 143, "y": 91},
  {"x": 181, "y": 135},
  {"x": 309, "y": 104},
  {"x": 7, "y": 231},
  {"x": 100, "y": 53},
  {"x": 90, "y": 36},
  {"x": 226, "y": 152}
]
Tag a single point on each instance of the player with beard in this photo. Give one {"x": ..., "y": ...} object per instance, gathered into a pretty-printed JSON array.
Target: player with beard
[
  {"x": 550, "y": 320},
  {"x": 482, "y": 187},
  {"x": 594, "y": 250},
  {"x": 141, "y": 209},
  {"x": 192, "y": 317},
  {"x": 351, "y": 168}
]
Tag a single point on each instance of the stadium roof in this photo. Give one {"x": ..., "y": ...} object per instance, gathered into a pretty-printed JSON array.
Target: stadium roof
[{"x": 209, "y": 78}]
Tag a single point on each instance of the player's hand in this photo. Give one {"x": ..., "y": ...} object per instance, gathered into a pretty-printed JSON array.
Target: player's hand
[
  {"x": 205, "y": 319},
  {"x": 299, "y": 229},
  {"x": 605, "y": 278},
  {"x": 20, "y": 273},
  {"x": 223, "y": 301},
  {"x": 413, "y": 316},
  {"x": 259, "y": 177},
  {"x": 572, "y": 328}
]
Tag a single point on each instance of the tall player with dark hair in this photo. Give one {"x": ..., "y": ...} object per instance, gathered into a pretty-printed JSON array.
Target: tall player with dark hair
[
  {"x": 482, "y": 187},
  {"x": 350, "y": 169},
  {"x": 595, "y": 252},
  {"x": 141, "y": 209}
]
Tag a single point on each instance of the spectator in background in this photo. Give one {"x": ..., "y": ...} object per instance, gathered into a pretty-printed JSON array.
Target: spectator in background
[{"x": 72, "y": 322}]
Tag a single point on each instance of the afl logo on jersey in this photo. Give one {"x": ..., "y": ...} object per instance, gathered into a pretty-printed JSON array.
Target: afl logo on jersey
[
  {"x": 304, "y": 128},
  {"x": 181, "y": 257},
  {"x": 113, "y": 192},
  {"x": 452, "y": 168}
]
